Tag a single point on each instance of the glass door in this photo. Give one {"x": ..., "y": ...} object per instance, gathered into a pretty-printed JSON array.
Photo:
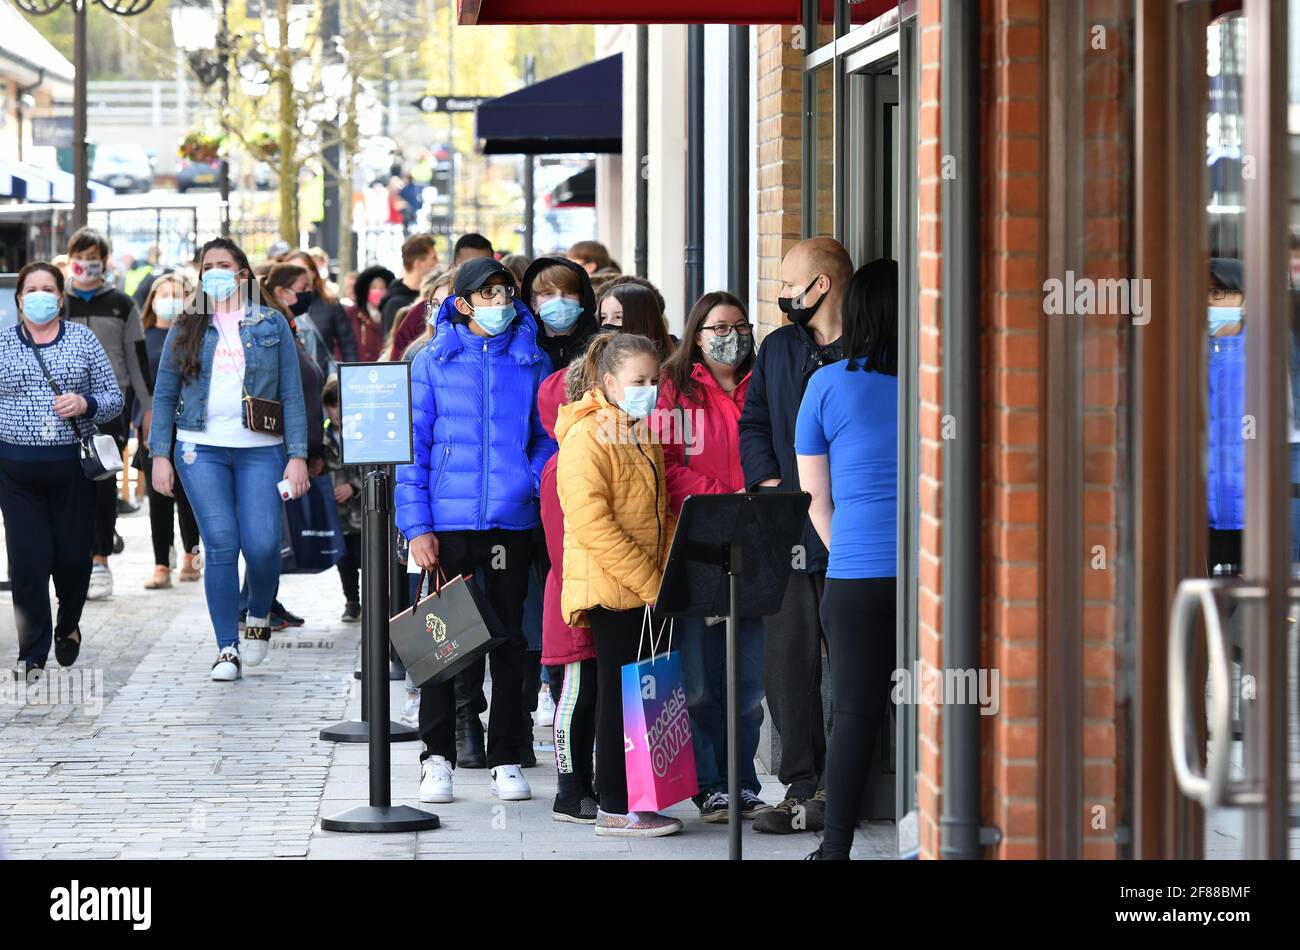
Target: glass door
[{"x": 1232, "y": 644}]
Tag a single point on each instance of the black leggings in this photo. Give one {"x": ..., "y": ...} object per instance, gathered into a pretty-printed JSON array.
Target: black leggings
[
  {"x": 858, "y": 617},
  {"x": 161, "y": 525},
  {"x": 617, "y": 634},
  {"x": 575, "y": 730},
  {"x": 106, "y": 492}
]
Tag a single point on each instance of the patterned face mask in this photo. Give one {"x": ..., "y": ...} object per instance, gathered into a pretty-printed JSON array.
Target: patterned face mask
[{"x": 729, "y": 350}]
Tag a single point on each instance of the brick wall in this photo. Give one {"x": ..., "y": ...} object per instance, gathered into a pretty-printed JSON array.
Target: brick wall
[
  {"x": 1014, "y": 424},
  {"x": 778, "y": 187}
]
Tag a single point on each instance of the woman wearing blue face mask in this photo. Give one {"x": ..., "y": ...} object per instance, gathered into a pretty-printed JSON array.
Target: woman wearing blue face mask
[
  {"x": 162, "y": 307},
  {"x": 467, "y": 503},
  {"x": 56, "y": 383},
  {"x": 229, "y": 394}
]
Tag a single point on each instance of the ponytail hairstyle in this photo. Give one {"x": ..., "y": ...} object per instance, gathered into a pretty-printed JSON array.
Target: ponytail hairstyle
[
  {"x": 606, "y": 352},
  {"x": 196, "y": 320}
]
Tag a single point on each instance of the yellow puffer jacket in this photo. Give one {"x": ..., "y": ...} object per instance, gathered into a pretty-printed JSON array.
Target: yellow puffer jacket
[{"x": 617, "y": 518}]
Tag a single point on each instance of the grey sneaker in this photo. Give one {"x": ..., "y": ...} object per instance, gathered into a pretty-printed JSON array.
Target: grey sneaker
[{"x": 636, "y": 824}]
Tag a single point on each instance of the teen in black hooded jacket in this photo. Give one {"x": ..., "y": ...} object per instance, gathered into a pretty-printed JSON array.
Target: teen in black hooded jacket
[{"x": 558, "y": 293}]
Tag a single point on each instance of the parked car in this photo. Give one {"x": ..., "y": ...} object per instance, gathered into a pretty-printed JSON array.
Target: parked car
[
  {"x": 123, "y": 167},
  {"x": 197, "y": 175}
]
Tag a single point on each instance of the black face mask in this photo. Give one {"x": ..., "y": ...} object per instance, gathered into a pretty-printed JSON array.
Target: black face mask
[
  {"x": 800, "y": 314},
  {"x": 302, "y": 302}
]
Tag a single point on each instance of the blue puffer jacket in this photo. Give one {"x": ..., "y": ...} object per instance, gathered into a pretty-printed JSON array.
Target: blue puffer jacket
[
  {"x": 1226, "y": 469},
  {"x": 479, "y": 444}
]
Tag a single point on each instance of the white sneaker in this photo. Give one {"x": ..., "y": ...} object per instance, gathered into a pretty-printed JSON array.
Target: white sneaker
[
  {"x": 435, "y": 780},
  {"x": 509, "y": 784},
  {"x": 255, "y": 643},
  {"x": 227, "y": 667},
  {"x": 101, "y": 583},
  {"x": 411, "y": 709},
  {"x": 545, "y": 714}
]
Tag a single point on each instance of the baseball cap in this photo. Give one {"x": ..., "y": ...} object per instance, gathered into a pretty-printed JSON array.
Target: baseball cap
[{"x": 474, "y": 273}]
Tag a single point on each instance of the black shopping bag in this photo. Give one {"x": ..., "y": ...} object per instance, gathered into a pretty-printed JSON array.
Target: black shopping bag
[
  {"x": 313, "y": 538},
  {"x": 446, "y": 631}
]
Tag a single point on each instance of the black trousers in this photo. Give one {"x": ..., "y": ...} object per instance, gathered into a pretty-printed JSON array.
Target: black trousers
[
  {"x": 349, "y": 566},
  {"x": 617, "y": 634},
  {"x": 106, "y": 491},
  {"x": 48, "y": 510},
  {"x": 859, "y": 619},
  {"x": 503, "y": 557},
  {"x": 162, "y": 512},
  {"x": 792, "y": 679}
]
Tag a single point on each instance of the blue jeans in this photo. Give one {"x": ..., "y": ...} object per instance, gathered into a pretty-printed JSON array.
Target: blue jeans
[
  {"x": 704, "y": 665},
  {"x": 238, "y": 508}
]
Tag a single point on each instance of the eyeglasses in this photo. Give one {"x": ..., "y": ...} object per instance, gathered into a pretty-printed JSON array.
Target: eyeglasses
[
  {"x": 724, "y": 329},
  {"x": 501, "y": 292}
]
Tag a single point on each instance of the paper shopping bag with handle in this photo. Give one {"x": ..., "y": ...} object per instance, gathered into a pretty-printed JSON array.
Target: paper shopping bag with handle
[
  {"x": 446, "y": 631},
  {"x": 657, "y": 746}
]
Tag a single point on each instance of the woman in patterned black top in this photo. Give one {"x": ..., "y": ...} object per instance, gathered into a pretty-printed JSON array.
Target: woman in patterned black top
[{"x": 47, "y": 502}]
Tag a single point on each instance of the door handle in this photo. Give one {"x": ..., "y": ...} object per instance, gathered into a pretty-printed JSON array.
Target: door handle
[{"x": 1193, "y": 595}]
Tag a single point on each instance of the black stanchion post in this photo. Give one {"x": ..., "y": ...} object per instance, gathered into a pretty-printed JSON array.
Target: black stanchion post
[
  {"x": 375, "y": 580},
  {"x": 735, "y": 567},
  {"x": 398, "y": 582},
  {"x": 380, "y": 814}
]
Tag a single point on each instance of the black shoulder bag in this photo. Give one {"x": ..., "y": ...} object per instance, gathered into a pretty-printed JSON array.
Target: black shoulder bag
[{"x": 100, "y": 457}]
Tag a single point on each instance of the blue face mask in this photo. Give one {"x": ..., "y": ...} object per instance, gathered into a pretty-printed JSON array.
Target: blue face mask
[
  {"x": 639, "y": 401},
  {"x": 560, "y": 314},
  {"x": 494, "y": 319},
  {"x": 1221, "y": 317},
  {"x": 219, "y": 283},
  {"x": 40, "y": 306}
]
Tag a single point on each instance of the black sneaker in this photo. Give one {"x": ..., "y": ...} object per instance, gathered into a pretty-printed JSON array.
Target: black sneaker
[
  {"x": 581, "y": 811},
  {"x": 793, "y": 815},
  {"x": 714, "y": 808},
  {"x": 281, "y": 614},
  {"x": 351, "y": 613},
  {"x": 118, "y": 544},
  {"x": 751, "y": 806}
]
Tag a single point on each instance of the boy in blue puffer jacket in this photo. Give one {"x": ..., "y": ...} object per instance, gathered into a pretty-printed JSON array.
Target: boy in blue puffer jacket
[{"x": 467, "y": 501}]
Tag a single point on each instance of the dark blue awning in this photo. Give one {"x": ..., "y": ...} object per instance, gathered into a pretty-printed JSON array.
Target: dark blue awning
[{"x": 577, "y": 111}]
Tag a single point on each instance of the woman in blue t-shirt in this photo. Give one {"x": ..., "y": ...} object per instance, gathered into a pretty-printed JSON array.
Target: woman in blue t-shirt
[{"x": 847, "y": 449}]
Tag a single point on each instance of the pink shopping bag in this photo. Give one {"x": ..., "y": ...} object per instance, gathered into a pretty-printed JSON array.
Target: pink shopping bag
[{"x": 657, "y": 746}]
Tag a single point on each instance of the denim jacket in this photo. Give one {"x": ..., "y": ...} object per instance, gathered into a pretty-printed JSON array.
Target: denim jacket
[{"x": 270, "y": 372}]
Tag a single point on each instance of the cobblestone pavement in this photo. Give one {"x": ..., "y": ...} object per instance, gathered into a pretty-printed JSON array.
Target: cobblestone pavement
[{"x": 154, "y": 760}]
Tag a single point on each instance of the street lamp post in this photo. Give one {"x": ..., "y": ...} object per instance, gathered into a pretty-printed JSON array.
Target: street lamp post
[{"x": 80, "y": 149}]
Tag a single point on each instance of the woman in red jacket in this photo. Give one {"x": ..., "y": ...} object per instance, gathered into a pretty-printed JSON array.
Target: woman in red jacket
[
  {"x": 701, "y": 395},
  {"x": 568, "y": 647}
]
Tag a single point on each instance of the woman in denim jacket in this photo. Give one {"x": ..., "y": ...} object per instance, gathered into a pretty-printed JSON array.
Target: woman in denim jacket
[{"x": 227, "y": 348}]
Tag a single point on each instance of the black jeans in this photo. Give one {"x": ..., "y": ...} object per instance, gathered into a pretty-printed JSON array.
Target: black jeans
[
  {"x": 859, "y": 619},
  {"x": 503, "y": 557},
  {"x": 792, "y": 679},
  {"x": 349, "y": 566},
  {"x": 106, "y": 491},
  {"x": 161, "y": 521},
  {"x": 48, "y": 512},
  {"x": 617, "y": 634}
]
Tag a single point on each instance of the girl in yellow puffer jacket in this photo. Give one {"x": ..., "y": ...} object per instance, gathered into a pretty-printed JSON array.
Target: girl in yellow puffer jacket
[{"x": 617, "y": 529}]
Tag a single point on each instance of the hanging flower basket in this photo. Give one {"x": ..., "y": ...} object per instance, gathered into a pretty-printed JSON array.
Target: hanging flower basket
[
  {"x": 200, "y": 147},
  {"x": 263, "y": 146}
]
